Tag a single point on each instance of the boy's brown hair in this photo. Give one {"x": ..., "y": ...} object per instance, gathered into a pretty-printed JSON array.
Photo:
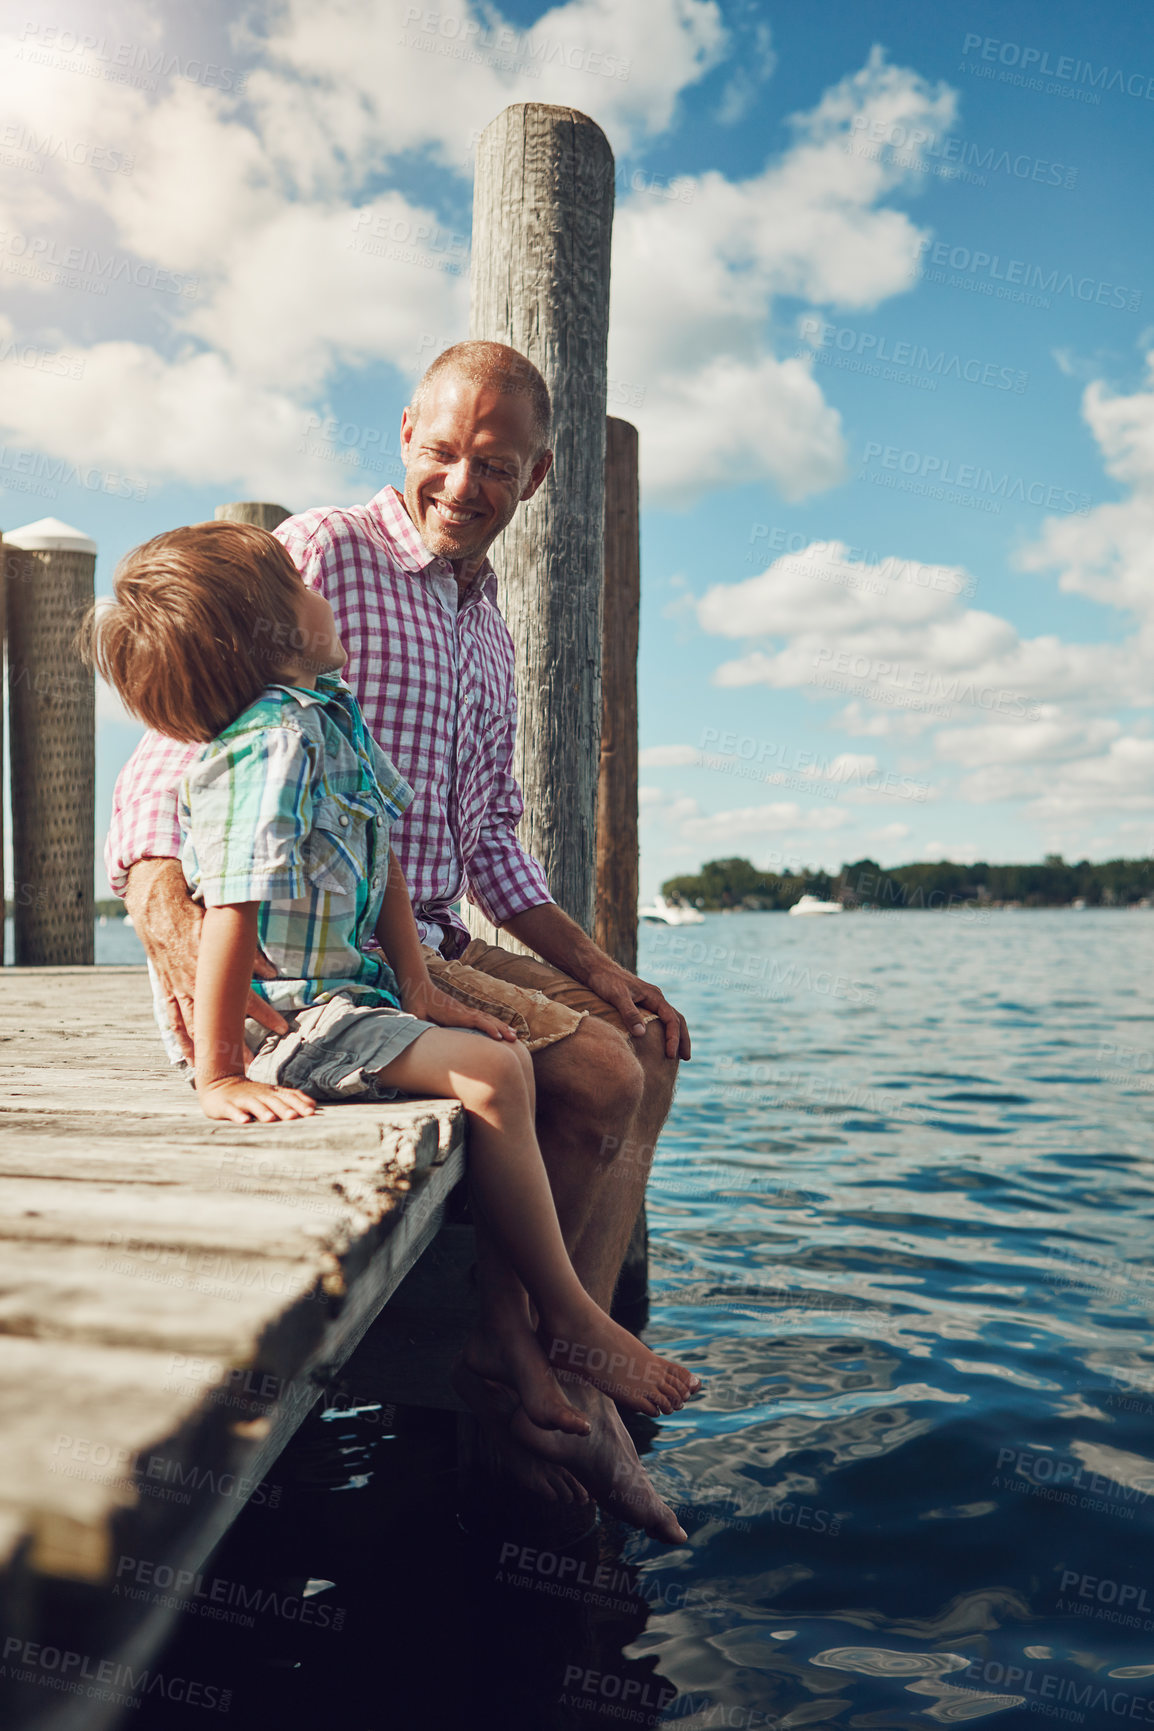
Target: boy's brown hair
[{"x": 204, "y": 618}]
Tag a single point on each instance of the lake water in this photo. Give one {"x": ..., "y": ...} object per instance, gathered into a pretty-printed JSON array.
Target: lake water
[{"x": 901, "y": 1221}]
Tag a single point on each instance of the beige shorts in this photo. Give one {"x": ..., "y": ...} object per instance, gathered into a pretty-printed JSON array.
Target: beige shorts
[
  {"x": 333, "y": 1050},
  {"x": 538, "y": 1001}
]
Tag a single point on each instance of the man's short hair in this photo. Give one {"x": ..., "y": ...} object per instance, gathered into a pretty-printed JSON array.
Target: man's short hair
[
  {"x": 204, "y": 618},
  {"x": 495, "y": 364}
]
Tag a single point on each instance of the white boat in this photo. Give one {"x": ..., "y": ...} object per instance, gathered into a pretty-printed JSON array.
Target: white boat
[
  {"x": 815, "y": 905},
  {"x": 671, "y": 913}
]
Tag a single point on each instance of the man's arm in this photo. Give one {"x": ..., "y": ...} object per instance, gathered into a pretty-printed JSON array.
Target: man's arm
[
  {"x": 509, "y": 887},
  {"x": 559, "y": 940},
  {"x": 225, "y": 959}
]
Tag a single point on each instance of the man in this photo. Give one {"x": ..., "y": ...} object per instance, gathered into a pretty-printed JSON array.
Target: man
[{"x": 431, "y": 661}]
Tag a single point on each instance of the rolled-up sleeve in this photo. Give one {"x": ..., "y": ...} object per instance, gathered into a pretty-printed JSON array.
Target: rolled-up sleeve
[
  {"x": 145, "y": 823},
  {"x": 247, "y": 804},
  {"x": 502, "y": 878}
]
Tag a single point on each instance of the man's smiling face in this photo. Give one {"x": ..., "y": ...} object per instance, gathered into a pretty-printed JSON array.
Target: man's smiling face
[{"x": 470, "y": 459}]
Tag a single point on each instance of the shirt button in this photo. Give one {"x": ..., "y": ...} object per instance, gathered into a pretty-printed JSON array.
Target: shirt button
[{"x": 344, "y": 821}]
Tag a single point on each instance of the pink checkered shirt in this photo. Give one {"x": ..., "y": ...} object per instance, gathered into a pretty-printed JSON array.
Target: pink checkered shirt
[{"x": 436, "y": 684}]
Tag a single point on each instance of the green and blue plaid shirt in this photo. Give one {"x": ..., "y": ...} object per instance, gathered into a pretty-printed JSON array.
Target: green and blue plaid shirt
[{"x": 291, "y": 806}]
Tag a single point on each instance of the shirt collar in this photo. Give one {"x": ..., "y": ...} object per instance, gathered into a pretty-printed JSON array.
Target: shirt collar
[
  {"x": 325, "y": 687},
  {"x": 410, "y": 552}
]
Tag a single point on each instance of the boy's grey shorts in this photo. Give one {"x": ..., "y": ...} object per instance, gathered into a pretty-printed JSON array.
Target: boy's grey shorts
[{"x": 332, "y": 1049}]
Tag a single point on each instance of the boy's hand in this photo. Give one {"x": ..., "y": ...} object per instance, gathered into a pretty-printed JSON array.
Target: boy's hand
[
  {"x": 428, "y": 1001},
  {"x": 237, "y": 1101}
]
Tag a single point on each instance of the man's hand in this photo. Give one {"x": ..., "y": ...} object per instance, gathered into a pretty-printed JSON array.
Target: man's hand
[
  {"x": 560, "y": 940},
  {"x": 168, "y": 923},
  {"x": 627, "y": 993}
]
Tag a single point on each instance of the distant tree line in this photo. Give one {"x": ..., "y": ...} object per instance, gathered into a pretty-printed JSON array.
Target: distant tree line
[{"x": 737, "y": 883}]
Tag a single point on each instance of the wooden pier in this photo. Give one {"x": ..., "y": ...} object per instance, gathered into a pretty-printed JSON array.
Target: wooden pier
[{"x": 175, "y": 1296}]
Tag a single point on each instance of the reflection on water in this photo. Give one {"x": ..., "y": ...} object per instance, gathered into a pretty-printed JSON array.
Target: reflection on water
[{"x": 905, "y": 1231}]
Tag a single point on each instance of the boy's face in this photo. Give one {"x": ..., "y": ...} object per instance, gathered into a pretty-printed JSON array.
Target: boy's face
[{"x": 316, "y": 647}]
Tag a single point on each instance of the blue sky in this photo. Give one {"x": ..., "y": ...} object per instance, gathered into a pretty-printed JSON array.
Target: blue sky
[{"x": 881, "y": 311}]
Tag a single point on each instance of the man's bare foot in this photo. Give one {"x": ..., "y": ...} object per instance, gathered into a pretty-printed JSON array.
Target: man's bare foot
[
  {"x": 504, "y": 1349},
  {"x": 606, "y": 1463},
  {"x": 591, "y": 1346},
  {"x": 494, "y": 1405}
]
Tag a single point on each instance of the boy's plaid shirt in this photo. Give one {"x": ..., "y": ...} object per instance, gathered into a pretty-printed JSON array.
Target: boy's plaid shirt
[
  {"x": 435, "y": 682},
  {"x": 291, "y": 806}
]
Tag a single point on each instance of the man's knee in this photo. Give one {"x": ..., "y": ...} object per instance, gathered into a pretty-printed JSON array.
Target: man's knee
[{"x": 594, "y": 1079}]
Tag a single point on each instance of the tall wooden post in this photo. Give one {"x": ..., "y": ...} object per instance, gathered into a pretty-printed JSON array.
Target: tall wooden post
[
  {"x": 262, "y": 516},
  {"x": 52, "y": 708},
  {"x": 615, "y": 926},
  {"x": 3, "y": 901},
  {"x": 542, "y": 221}
]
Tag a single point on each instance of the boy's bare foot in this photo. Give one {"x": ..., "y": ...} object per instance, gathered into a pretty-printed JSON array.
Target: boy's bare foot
[
  {"x": 493, "y": 1404},
  {"x": 505, "y": 1350},
  {"x": 606, "y": 1463},
  {"x": 590, "y": 1345}
]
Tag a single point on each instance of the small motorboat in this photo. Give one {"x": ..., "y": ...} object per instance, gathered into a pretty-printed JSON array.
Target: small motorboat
[
  {"x": 669, "y": 913},
  {"x": 815, "y": 905}
]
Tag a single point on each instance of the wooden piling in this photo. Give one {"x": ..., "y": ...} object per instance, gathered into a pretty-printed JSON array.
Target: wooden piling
[
  {"x": 615, "y": 925},
  {"x": 263, "y": 516},
  {"x": 3, "y": 901},
  {"x": 542, "y": 221},
  {"x": 52, "y": 715}
]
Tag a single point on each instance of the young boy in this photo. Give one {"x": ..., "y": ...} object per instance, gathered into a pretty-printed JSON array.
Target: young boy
[{"x": 285, "y": 815}]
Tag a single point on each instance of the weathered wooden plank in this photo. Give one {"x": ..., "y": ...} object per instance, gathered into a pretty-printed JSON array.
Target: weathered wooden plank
[{"x": 174, "y": 1294}]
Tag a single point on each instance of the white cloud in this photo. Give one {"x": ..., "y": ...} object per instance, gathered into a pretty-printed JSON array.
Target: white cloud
[
  {"x": 667, "y": 756},
  {"x": 898, "y": 635},
  {"x": 1109, "y": 554},
  {"x": 271, "y": 210},
  {"x": 349, "y": 86},
  {"x": 137, "y": 415},
  {"x": 718, "y": 406}
]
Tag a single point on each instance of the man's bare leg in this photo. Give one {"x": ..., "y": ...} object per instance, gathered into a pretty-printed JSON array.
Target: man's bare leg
[
  {"x": 601, "y": 1102},
  {"x": 604, "y": 1104}
]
